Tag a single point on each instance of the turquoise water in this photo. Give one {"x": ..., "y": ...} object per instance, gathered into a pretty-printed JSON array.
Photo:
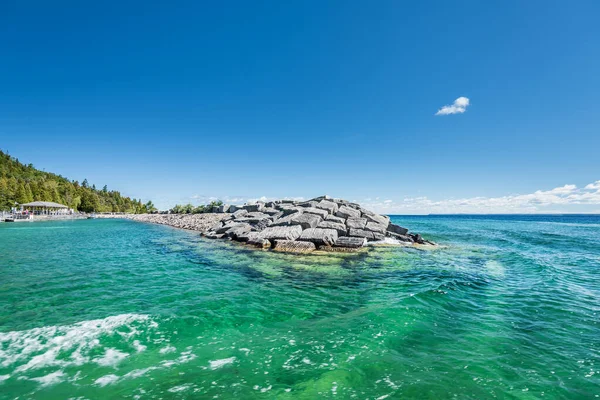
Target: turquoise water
[{"x": 116, "y": 309}]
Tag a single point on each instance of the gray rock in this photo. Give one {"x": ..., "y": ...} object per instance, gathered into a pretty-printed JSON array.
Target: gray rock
[
  {"x": 253, "y": 207},
  {"x": 237, "y": 231},
  {"x": 397, "y": 229},
  {"x": 287, "y": 209},
  {"x": 328, "y": 206},
  {"x": 378, "y": 236},
  {"x": 333, "y": 218},
  {"x": 240, "y": 213},
  {"x": 356, "y": 223},
  {"x": 270, "y": 211},
  {"x": 319, "y": 236},
  {"x": 257, "y": 215},
  {"x": 224, "y": 208},
  {"x": 361, "y": 233},
  {"x": 317, "y": 211},
  {"x": 340, "y": 228},
  {"x": 212, "y": 235},
  {"x": 352, "y": 242},
  {"x": 284, "y": 220},
  {"x": 281, "y": 232},
  {"x": 294, "y": 246},
  {"x": 347, "y": 212},
  {"x": 380, "y": 219},
  {"x": 375, "y": 227},
  {"x": 308, "y": 204},
  {"x": 306, "y": 221},
  {"x": 417, "y": 238},
  {"x": 262, "y": 243},
  {"x": 336, "y": 249},
  {"x": 233, "y": 208},
  {"x": 402, "y": 238},
  {"x": 230, "y": 225}
]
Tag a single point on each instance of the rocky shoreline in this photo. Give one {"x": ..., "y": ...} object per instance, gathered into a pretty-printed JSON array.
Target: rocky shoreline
[{"x": 323, "y": 223}]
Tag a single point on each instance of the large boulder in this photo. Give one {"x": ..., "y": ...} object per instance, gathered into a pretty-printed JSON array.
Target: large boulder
[
  {"x": 281, "y": 232},
  {"x": 347, "y": 212},
  {"x": 308, "y": 204},
  {"x": 231, "y": 225},
  {"x": 397, "y": 229},
  {"x": 356, "y": 223},
  {"x": 372, "y": 217},
  {"x": 333, "y": 218},
  {"x": 319, "y": 236},
  {"x": 376, "y": 227},
  {"x": 284, "y": 221},
  {"x": 328, "y": 206},
  {"x": 253, "y": 207},
  {"x": 349, "y": 241},
  {"x": 294, "y": 246},
  {"x": 317, "y": 211},
  {"x": 224, "y": 208},
  {"x": 240, "y": 212},
  {"x": 361, "y": 233},
  {"x": 306, "y": 221},
  {"x": 340, "y": 228}
]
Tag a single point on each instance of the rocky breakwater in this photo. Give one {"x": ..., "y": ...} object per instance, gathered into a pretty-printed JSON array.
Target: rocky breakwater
[
  {"x": 194, "y": 222},
  {"x": 322, "y": 223}
]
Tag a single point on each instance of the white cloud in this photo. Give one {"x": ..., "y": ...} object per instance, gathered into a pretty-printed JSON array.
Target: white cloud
[
  {"x": 593, "y": 186},
  {"x": 567, "y": 198},
  {"x": 458, "y": 107}
]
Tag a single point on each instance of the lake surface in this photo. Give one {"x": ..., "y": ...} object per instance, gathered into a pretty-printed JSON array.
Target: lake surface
[{"x": 117, "y": 309}]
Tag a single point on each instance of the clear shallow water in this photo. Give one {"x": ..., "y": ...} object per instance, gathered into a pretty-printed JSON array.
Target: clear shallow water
[{"x": 117, "y": 309}]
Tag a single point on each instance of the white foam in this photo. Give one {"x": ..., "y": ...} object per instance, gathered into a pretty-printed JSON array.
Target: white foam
[
  {"x": 40, "y": 347},
  {"x": 3, "y": 378},
  {"x": 106, "y": 380},
  {"x": 50, "y": 379},
  {"x": 220, "y": 363},
  {"x": 111, "y": 358},
  {"x": 168, "y": 349},
  {"x": 495, "y": 269},
  {"x": 180, "y": 388}
]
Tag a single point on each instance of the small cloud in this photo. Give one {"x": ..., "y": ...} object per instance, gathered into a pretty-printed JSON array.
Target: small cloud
[
  {"x": 458, "y": 107},
  {"x": 593, "y": 186}
]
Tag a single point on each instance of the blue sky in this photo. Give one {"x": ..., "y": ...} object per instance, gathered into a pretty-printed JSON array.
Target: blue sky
[{"x": 187, "y": 102}]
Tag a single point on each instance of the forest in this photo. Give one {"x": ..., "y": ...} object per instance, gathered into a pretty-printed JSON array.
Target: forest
[{"x": 23, "y": 183}]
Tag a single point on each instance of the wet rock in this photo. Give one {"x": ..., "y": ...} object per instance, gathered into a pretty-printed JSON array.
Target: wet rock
[
  {"x": 361, "y": 233},
  {"x": 397, "y": 229},
  {"x": 319, "y": 236},
  {"x": 260, "y": 242},
  {"x": 376, "y": 227},
  {"x": 294, "y": 246},
  {"x": 281, "y": 232},
  {"x": 352, "y": 242}
]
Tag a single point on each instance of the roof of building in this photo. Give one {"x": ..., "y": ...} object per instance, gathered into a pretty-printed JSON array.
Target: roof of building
[{"x": 44, "y": 204}]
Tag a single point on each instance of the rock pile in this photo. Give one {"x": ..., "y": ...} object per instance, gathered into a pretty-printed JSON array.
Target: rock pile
[
  {"x": 194, "y": 222},
  {"x": 322, "y": 223}
]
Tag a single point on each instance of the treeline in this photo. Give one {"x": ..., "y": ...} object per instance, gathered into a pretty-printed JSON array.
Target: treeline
[
  {"x": 21, "y": 183},
  {"x": 191, "y": 209}
]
